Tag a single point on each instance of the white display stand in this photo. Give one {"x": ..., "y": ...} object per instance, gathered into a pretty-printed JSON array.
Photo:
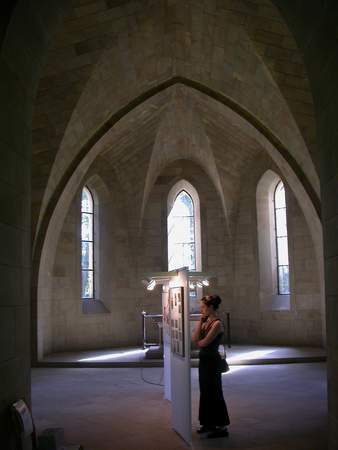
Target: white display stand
[
  {"x": 166, "y": 341},
  {"x": 180, "y": 365},
  {"x": 176, "y": 345}
]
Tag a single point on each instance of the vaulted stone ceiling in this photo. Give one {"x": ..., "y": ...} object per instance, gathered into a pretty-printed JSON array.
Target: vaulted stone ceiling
[{"x": 108, "y": 57}]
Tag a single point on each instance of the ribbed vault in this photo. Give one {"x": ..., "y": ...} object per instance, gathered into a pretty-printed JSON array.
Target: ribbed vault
[
  {"x": 177, "y": 123},
  {"x": 108, "y": 53}
]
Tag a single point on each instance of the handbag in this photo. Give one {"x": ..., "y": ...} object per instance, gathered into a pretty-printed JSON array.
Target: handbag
[{"x": 224, "y": 365}]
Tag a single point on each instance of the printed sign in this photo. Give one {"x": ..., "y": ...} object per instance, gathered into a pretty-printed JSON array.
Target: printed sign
[{"x": 176, "y": 298}]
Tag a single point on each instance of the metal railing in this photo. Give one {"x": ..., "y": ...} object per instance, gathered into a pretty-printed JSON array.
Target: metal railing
[{"x": 155, "y": 318}]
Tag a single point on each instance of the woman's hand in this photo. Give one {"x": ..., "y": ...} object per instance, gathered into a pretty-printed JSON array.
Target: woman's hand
[{"x": 196, "y": 333}]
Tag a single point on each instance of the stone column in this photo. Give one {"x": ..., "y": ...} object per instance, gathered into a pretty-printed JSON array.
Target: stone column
[
  {"x": 24, "y": 35},
  {"x": 314, "y": 25}
]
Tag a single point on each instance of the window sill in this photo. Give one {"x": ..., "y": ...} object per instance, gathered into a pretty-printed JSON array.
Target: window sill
[
  {"x": 276, "y": 302},
  {"x": 93, "y": 306}
]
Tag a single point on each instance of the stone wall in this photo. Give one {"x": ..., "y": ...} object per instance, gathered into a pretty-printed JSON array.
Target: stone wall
[
  {"x": 124, "y": 260},
  {"x": 231, "y": 255}
]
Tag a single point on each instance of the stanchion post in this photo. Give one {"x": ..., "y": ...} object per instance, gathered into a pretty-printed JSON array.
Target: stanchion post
[
  {"x": 228, "y": 330},
  {"x": 143, "y": 329}
]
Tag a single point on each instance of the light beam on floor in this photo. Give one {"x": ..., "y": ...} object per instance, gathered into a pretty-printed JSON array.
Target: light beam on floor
[
  {"x": 250, "y": 355},
  {"x": 114, "y": 355}
]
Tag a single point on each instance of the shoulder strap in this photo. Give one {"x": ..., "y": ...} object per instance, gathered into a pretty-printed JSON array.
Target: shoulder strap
[{"x": 210, "y": 324}]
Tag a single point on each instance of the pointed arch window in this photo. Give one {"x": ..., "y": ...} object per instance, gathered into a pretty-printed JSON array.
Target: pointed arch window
[
  {"x": 87, "y": 245},
  {"x": 181, "y": 233},
  {"x": 282, "y": 253},
  {"x": 184, "y": 233}
]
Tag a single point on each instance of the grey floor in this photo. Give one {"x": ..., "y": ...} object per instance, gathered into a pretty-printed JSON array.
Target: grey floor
[
  {"x": 272, "y": 407},
  {"x": 135, "y": 356}
]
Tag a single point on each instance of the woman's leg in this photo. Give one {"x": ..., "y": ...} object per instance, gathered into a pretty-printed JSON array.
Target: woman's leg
[{"x": 212, "y": 409}]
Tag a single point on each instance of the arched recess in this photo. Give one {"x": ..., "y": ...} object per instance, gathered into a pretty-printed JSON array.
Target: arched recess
[
  {"x": 176, "y": 80},
  {"x": 47, "y": 295},
  {"x": 270, "y": 299},
  {"x": 267, "y": 257},
  {"x": 180, "y": 186},
  {"x": 53, "y": 218},
  {"x": 101, "y": 196},
  {"x": 255, "y": 89}
]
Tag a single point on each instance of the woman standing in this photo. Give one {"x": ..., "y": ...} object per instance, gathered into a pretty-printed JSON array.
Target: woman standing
[{"x": 213, "y": 413}]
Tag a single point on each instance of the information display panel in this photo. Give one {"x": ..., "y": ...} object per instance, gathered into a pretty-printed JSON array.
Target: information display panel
[
  {"x": 176, "y": 296},
  {"x": 166, "y": 342}
]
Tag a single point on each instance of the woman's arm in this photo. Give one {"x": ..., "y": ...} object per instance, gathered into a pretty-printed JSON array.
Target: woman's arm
[
  {"x": 215, "y": 329},
  {"x": 197, "y": 331}
]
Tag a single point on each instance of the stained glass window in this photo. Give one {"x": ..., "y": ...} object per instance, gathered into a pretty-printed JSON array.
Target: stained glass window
[
  {"x": 283, "y": 279},
  {"x": 87, "y": 244},
  {"x": 181, "y": 233}
]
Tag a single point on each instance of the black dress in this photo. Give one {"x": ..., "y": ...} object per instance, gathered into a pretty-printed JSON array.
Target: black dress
[{"x": 212, "y": 409}]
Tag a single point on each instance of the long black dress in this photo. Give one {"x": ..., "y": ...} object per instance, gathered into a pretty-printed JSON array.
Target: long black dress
[{"x": 212, "y": 409}]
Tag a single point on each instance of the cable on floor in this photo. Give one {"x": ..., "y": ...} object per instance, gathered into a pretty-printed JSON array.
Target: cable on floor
[{"x": 160, "y": 383}]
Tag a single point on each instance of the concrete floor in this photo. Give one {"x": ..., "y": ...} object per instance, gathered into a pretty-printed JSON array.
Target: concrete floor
[
  {"x": 272, "y": 407},
  {"x": 135, "y": 356}
]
